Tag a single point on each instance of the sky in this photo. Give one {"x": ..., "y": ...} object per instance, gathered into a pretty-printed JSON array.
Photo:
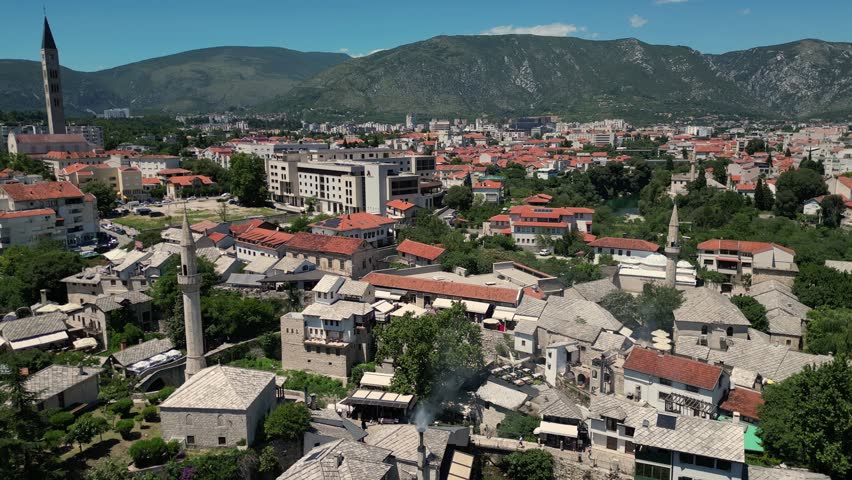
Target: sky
[{"x": 98, "y": 34}]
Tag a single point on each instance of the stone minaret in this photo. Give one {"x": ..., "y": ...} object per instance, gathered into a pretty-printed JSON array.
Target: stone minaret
[
  {"x": 672, "y": 249},
  {"x": 190, "y": 284},
  {"x": 52, "y": 85}
]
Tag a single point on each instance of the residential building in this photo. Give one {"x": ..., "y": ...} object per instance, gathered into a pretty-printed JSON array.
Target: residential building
[
  {"x": 401, "y": 211},
  {"x": 94, "y": 319},
  {"x": 761, "y": 260},
  {"x": 425, "y": 292},
  {"x": 419, "y": 254},
  {"x": 350, "y": 257},
  {"x": 93, "y": 134},
  {"x": 175, "y": 185},
  {"x": 150, "y": 165},
  {"x": 412, "y": 450},
  {"x": 219, "y": 406},
  {"x": 674, "y": 384},
  {"x": 40, "y": 331},
  {"x": 117, "y": 113},
  {"x": 29, "y": 227},
  {"x": 262, "y": 242},
  {"x": 77, "y": 211},
  {"x": 40, "y": 144},
  {"x": 64, "y": 386},
  {"x": 613, "y": 422},
  {"x": 128, "y": 358},
  {"x": 672, "y": 447},
  {"x": 329, "y": 427},
  {"x": 787, "y": 316},
  {"x": 709, "y": 317},
  {"x": 491, "y": 191},
  {"x": 7, "y": 175},
  {"x": 343, "y": 459},
  {"x": 126, "y": 181},
  {"x": 56, "y": 161},
  {"x": 623, "y": 249},
  {"x": 331, "y": 335},
  {"x": 373, "y": 229},
  {"x": 527, "y": 224},
  {"x": 561, "y": 421}
]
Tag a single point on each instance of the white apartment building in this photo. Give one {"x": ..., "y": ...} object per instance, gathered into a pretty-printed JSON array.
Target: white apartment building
[
  {"x": 149, "y": 165},
  {"x": 93, "y": 134},
  {"x": 29, "y": 227},
  {"x": 75, "y": 214},
  {"x": 527, "y": 223},
  {"x": 761, "y": 260}
]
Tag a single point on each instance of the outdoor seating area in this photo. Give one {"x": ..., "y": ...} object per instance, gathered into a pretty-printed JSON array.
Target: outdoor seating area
[{"x": 516, "y": 376}]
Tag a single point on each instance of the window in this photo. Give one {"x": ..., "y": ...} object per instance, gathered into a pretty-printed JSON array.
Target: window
[
  {"x": 220, "y": 420},
  {"x": 611, "y": 424},
  {"x": 687, "y": 458},
  {"x": 189, "y": 419},
  {"x": 730, "y": 331},
  {"x": 190, "y": 440},
  {"x": 703, "y": 461},
  {"x": 629, "y": 431},
  {"x": 665, "y": 381},
  {"x": 524, "y": 343},
  {"x": 723, "y": 465},
  {"x": 692, "y": 388},
  {"x": 223, "y": 440},
  {"x": 652, "y": 471},
  {"x": 704, "y": 330}
]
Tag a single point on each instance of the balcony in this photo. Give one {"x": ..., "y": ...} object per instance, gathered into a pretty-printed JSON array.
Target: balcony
[
  {"x": 654, "y": 455},
  {"x": 326, "y": 342}
]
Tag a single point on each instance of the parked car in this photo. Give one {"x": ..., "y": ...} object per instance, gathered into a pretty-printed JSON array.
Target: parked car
[
  {"x": 119, "y": 231},
  {"x": 157, "y": 214},
  {"x": 544, "y": 252},
  {"x": 225, "y": 195},
  {"x": 191, "y": 199}
]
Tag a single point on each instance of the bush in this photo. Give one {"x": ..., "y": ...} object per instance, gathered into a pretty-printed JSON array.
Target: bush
[
  {"x": 54, "y": 438},
  {"x": 529, "y": 465},
  {"x": 516, "y": 425},
  {"x": 121, "y": 407},
  {"x": 165, "y": 393},
  {"x": 287, "y": 422},
  {"x": 321, "y": 385},
  {"x": 156, "y": 451},
  {"x": 138, "y": 418},
  {"x": 150, "y": 414},
  {"x": 124, "y": 427},
  {"x": 271, "y": 344},
  {"x": 241, "y": 442},
  {"x": 61, "y": 420},
  {"x": 359, "y": 370}
]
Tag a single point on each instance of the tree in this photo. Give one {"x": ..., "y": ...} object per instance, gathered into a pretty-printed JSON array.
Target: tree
[
  {"x": 821, "y": 286},
  {"x": 803, "y": 183},
  {"x": 532, "y": 464},
  {"x": 154, "y": 451},
  {"x": 759, "y": 195},
  {"x": 124, "y": 427},
  {"x": 288, "y": 422},
  {"x": 755, "y": 145},
  {"x": 515, "y": 425},
  {"x": 833, "y": 207},
  {"x": 269, "y": 463},
  {"x": 247, "y": 177},
  {"x": 31, "y": 269},
  {"x": 85, "y": 429},
  {"x": 459, "y": 198},
  {"x": 121, "y": 407},
  {"x": 622, "y": 305},
  {"x": 150, "y": 414},
  {"x": 829, "y": 331},
  {"x": 104, "y": 194},
  {"x": 657, "y": 304},
  {"x": 807, "y": 419},
  {"x": 753, "y": 311},
  {"x": 431, "y": 353}
]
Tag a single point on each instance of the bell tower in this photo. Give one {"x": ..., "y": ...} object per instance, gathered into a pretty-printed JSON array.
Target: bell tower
[{"x": 52, "y": 85}]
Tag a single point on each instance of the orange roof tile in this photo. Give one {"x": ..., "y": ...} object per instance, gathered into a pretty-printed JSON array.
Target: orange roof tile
[
  {"x": 678, "y": 369},
  {"x": 311, "y": 242},
  {"x": 745, "y": 401},
  {"x": 353, "y": 221},
  {"x": 449, "y": 289},
  {"x": 41, "y": 191},
  {"x": 27, "y": 213},
  {"x": 422, "y": 250},
  {"x": 400, "y": 204},
  {"x": 741, "y": 246},
  {"x": 625, "y": 243}
]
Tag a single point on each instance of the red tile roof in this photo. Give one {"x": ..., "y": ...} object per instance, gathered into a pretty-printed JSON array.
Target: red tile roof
[
  {"x": 173, "y": 171},
  {"x": 203, "y": 226},
  {"x": 150, "y": 181},
  {"x": 400, "y": 204},
  {"x": 625, "y": 243},
  {"x": 217, "y": 237},
  {"x": 673, "y": 368},
  {"x": 745, "y": 401},
  {"x": 422, "y": 250},
  {"x": 27, "y": 213},
  {"x": 41, "y": 191},
  {"x": 353, "y": 221},
  {"x": 539, "y": 198},
  {"x": 311, "y": 242},
  {"x": 54, "y": 155},
  {"x": 499, "y": 218},
  {"x": 741, "y": 246},
  {"x": 449, "y": 289},
  {"x": 245, "y": 227},
  {"x": 189, "y": 180},
  {"x": 263, "y": 238},
  {"x": 488, "y": 184}
]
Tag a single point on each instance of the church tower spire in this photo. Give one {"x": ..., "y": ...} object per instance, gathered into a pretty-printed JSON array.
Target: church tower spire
[
  {"x": 52, "y": 85},
  {"x": 190, "y": 284},
  {"x": 672, "y": 249}
]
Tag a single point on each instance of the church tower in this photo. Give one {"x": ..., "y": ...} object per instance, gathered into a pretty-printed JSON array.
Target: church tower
[
  {"x": 190, "y": 284},
  {"x": 672, "y": 250},
  {"x": 52, "y": 85}
]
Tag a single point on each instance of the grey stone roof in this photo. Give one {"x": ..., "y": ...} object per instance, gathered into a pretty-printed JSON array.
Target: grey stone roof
[
  {"x": 110, "y": 302},
  {"x": 326, "y": 284},
  {"x": 775, "y": 362},
  {"x": 578, "y": 319},
  {"x": 36, "y": 326},
  {"x": 245, "y": 279},
  {"x": 611, "y": 341},
  {"x": 260, "y": 265},
  {"x": 327, "y": 422},
  {"x": 769, "y": 286},
  {"x": 341, "y": 460},
  {"x": 530, "y": 307},
  {"x": 778, "y": 301},
  {"x": 627, "y": 411},
  {"x": 339, "y": 310},
  {"x": 696, "y": 435},
  {"x": 220, "y": 388},
  {"x": 702, "y": 305},
  {"x": 89, "y": 276},
  {"x": 57, "y": 378},
  {"x": 687, "y": 346},
  {"x": 353, "y": 288},
  {"x": 558, "y": 405},
  {"x": 784, "y": 324},
  {"x": 143, "y": 351},
  {"x": 289, "y": 264},
  {"x": 839, "y": 265},
  {"x": 526, "y": 327},
  {"x": 595, "y": 291},
  {"x": 502, "y": 396},
  {"x": 403, "y": 440},
  {"x": 767, "y": 473},
  {"x": 758, "y": 336}
]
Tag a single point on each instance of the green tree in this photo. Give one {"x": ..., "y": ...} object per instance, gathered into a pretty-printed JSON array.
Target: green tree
[
  {"x": 288, "y": 422},
  {"x": 121, "y": 407},
  {"x": 85, "y": 429},
  {"x": 459, "y": 198},
  {"x": 622, "y": 305},
  {"x": 807, "y": 419},
  {"x": 154, "y": 451},
  {"x": 759, "y": 195},
  {"x": 31, "y": 269},
  {"x": 753, "y": 311},
  {"x": 516, "y": 425},
  {"x": 532, "y": 464},
  {"x": 833, "y": 208},
  {"x": 803, "y": 183},
  {"x": 755, "y": 145},
  {"x": 657, "y": 304},
  {"x": 829, "y": 331},
  {"x": 269, "y": 461},
  {"x": 124, "y": 427},
  {"x": 247, "y": 177},
  {"x": 431, "y": 353},
  {"x": 821, "y": 286},
  {"x": 61, "y": 420},
  {"x": 104, "y": 194}
]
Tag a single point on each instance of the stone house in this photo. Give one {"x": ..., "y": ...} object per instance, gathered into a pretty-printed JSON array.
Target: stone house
[{"x": 63, "y": 386}]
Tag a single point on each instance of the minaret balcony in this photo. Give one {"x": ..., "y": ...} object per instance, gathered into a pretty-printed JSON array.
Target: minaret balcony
[{"x": 189, "y": 279}]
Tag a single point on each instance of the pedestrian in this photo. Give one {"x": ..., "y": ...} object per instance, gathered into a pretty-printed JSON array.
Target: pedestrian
[
  {"x": 561, "y": 445},
  {"x": 521, "y": 441}
]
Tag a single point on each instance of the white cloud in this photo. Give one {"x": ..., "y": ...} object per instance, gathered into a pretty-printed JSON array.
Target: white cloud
[
  {"x": 549, "y": 30},
  {"x": 359, "y": 55},
  {"x": 636, "y": 21},
  {"x": 665, "y": 2},
  {"x": 745, "y": 11},
  {"x": 343, "y": 50}
]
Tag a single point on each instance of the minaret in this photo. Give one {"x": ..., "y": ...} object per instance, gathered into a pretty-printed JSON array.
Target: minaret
[
  {"x": 52, "y": 85},
  {"x": 672, "y": 250},
  {"x": 190, "y": 284}
]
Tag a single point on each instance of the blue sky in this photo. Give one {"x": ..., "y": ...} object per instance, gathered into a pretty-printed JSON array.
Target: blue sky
[{"x": 97, "y": 34}]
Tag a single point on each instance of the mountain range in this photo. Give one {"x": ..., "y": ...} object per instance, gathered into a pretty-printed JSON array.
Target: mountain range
[{"x": 501, "y": 75}]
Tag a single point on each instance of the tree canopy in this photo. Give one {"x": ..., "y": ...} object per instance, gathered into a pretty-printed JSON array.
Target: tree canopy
[
  {"x": 459, "y": 197},
  {"x": 104, "y": 194},
  {"x": 830, "y": 331},
  {"x": 431, "y": 353},
  {"x": 534, "y": 464},
  {"x": 288, "y": 422},
  {"x": 24, "y": 271},
  {"x": 807, "y": 419},
  {"x": 818, "y": 285},
  {"x": 753, "y": 311},
  {"x": 247, "y": 177},
  {"x": 796, "y": 186}
]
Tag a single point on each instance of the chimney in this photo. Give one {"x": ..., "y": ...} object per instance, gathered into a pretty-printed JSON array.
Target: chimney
[
  {"x": 122, "y": 346},
  {"x": 24, "y": 371},
  {"x": 736, "y": 418},
  {"x": 43, "y": 293},
  {"x": 422, "y": 472}
]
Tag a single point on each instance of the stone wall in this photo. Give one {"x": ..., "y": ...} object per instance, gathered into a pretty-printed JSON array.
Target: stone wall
[{"x": 206, "y": 426}]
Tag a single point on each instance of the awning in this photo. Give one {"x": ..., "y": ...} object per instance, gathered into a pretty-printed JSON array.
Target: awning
[
  {"x": 491, "y": 321},
  {"x": 388, "y": 295},
  {"x": 504, "y": 313},
  {"x": 42, "y": 340},
  {"x": 378, "y": 398},
  {"x": 373, "y": 379},
  {"x": 442, "y": 303},
  {"x": 83, "y": 343},
  {"x": 727, "y": 259},
  {"x": 559, "y": 429},
  {"x": 476, "y": 307}
]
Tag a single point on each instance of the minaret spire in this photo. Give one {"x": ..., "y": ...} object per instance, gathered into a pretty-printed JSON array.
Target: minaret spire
[
  {"x": 672, "y": 249},
  {"x": 190, "y": 284}
]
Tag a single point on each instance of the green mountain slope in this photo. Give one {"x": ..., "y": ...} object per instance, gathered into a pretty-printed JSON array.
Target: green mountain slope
[{"x": 198, "y": 80}]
